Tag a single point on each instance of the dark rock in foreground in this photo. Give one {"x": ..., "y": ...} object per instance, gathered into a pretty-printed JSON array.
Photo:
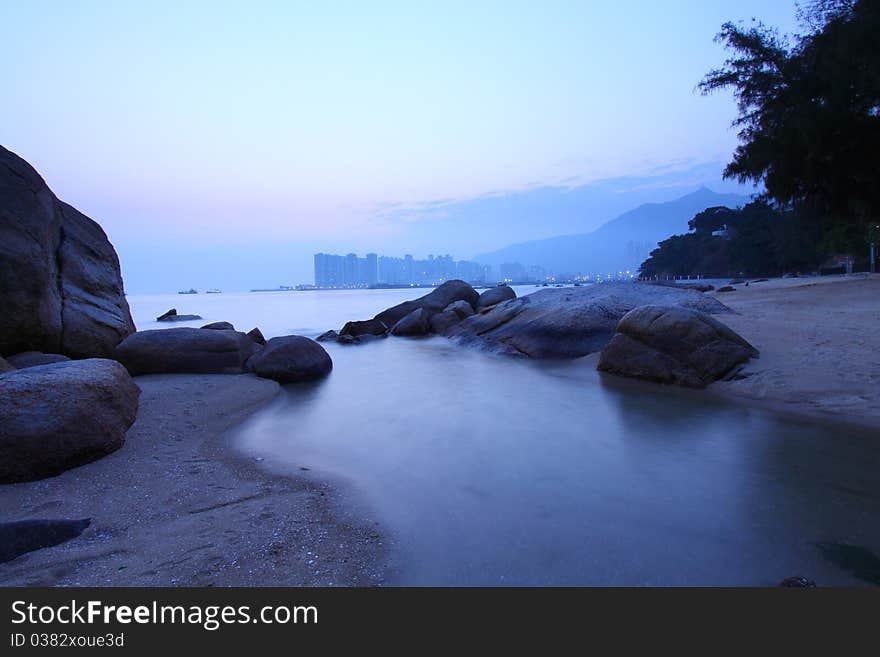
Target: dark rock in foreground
[
  {"x": 495, "y": 295},
  {"x": 185, "y": 350},
  {"x": 567, "y": 322},
  {"x": 674, "y": 345},
  {"x": 34, "y": 358},
  {"x": 60, "y": 284},
  {"x": 290, "y": 359},
  {"x": 56, "y": 417},
  {"x": 414, "y": 324},
  {"x": 256, "y": 335},
  {"x": 23, "y": 536},
  {"x": 172, "y": 316},
  {"x": 219, "y": 326}
]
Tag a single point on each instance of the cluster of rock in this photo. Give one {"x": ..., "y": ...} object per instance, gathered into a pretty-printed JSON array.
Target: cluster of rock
[
  {"x": 434, "y": 313},
  {"x": 69, "y": 348},
  {"x": 663, "y": 333},
  {"x": 218, "y": 348}
]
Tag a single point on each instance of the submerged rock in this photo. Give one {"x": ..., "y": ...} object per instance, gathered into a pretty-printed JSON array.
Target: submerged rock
[
  {"x": 219, "y": 326},
  {"x": 56, "y": 417},
  {"x": 413, "y": 324},
  {"x": 290, "y": 359},
  {"x": 23, "y": 536},
  {"x": 328, "y": 336},
  {"x": 495, "y": 295},
  {"x": 185, "y": 350},
  {"x": 674, "y": 345},
  {"x": 366, "y": 327},
  {"x": 60, "y": 285},
  {"x": 567, "y": 322},
  {"x": 172, "y": 316},
  {"x": 34, "y": 358}
]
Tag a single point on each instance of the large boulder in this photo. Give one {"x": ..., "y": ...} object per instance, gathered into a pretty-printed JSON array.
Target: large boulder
[
  {"x": 55, "y": 417},
  {"x": 185, "y": 350},
  {"x": 495, "y": 295},
  {"x": 290, "y": 359},
  {"x": 568, "y": 322},
  {"x": 674, "y": 345},
  {"x": 414, "y": 324},
  {"x": 442, "y": 322},
  {"x": 34, "y": 358},
  {"x": 60, "y": 284}
]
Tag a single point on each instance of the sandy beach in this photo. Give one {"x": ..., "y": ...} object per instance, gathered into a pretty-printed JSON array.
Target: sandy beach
[
  {"x": 819, "y": 340},
  {"x": 177, "y": 506}
]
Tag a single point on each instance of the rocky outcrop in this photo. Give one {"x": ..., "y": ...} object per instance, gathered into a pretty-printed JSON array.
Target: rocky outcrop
[
  {"x": 567, "y": 322},
  {"x": 60, "y": 285},
  {"x": 365, "y": 327},
  {"x": 414, "y": 324},
  {"x": 674, "y": 345},
  {"x": 461, "y": 308},
  {"x": 55, "y": 417},
  {"x": 34, "y": 358},
  {"x": 256, "y": 335},
  {"x": 291, "y": 359},
  {"x": 328, "y": 336},
  {"x": 219, "y": 326},
  {"x": 495, "y": 295},
  {"x": 23, "y": 536},
  {"x": 5, "y": 366},
  {"x": 442, "y": 322},
  {"x": 172, "y": 316},
  {"x": 434, "y": 302},
  {"x": 185, "y": 350}
]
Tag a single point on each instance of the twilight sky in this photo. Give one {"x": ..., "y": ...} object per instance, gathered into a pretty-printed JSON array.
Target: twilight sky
[{"x": 241, "y": 137}]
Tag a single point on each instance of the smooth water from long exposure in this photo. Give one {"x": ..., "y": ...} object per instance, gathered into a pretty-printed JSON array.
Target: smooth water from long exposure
[{"x": 488, "y": 470}]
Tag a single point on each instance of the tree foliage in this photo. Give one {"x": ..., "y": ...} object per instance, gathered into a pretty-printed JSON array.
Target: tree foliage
[{"x": 809, "y": 111}]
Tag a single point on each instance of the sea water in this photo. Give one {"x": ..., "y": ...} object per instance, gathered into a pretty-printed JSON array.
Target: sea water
[{"x": 489, "y": 470}]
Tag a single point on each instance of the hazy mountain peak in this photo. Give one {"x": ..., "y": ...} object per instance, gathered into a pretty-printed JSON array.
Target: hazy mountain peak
[{"x": 620, "y": 244}]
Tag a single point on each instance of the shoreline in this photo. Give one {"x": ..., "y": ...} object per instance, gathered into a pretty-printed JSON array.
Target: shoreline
[
  {"x": 820, "y": 348},
  {"x": 179, "y": 505}
]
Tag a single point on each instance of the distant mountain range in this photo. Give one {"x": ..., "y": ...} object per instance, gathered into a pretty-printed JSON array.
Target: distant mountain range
[{"x": 620, "y": 244}]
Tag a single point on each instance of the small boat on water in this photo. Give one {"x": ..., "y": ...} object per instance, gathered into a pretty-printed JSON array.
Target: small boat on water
[{"x": 189, "y": 291}]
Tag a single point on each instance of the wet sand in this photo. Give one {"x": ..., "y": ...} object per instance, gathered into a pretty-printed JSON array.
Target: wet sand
[
  {"x": 819, "y": 340},
  {"x": 178, "y": 505}
]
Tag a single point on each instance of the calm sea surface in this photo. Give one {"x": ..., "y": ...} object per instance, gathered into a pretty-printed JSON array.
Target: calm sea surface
[{"x": 495, "y": 471}]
